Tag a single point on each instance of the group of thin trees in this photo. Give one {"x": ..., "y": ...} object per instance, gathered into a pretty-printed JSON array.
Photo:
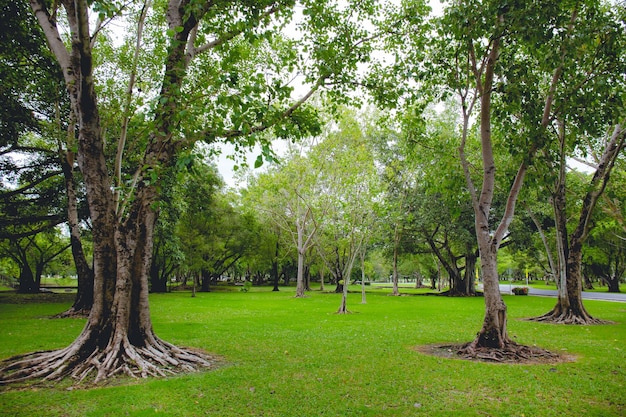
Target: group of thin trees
[{"x": 479, "y": 111}]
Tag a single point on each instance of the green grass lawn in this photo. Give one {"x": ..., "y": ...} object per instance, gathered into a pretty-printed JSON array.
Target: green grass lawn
[{"x": 295, "y": 357}]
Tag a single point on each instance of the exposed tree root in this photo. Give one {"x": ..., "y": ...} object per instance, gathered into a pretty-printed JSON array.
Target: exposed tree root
[
  {"x": 72, "y": 314},
  {"x": 568, "y": 317},
  {"x": 511, "y": 353},
  {"x": 156, "y": 358}
]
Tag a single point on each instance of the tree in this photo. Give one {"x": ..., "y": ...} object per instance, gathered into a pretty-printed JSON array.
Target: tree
[
  {"x": 604, "y": 256},
  {"x": 399, "y": 177},
  {"x": 289, "y": 195},
  {"x": 37, "y": 142},
  {"x": 214, "y": 233},
  {"x": 481, "y": 42},
  {"x": 32, "y": 254},
  {"x": 349, "y": 182},
  {"x": 211, "y": 57},
  {"x": 569, "y": 308},
  {"x": 593, "y": 59},
  {"x": 440, "y": 216}
]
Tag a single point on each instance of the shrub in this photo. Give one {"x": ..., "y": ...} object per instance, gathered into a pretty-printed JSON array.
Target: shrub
[
  {"x": 246, "y": 286},
  {"x": 520, "y": 291}
]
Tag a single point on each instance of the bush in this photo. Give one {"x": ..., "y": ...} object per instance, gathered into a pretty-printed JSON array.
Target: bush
[
  {"x": 246, "y": 286},
  {"x": 520, "y": 291}
]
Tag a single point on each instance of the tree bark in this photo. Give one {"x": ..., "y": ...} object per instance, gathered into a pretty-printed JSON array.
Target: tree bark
[{"x": 84, "y": 294}]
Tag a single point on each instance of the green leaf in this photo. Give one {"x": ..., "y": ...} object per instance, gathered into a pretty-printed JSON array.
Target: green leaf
[{"x": 259, "y": 161}]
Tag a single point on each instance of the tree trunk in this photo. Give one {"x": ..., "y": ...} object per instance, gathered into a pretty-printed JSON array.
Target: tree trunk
[
  {"x": 459, "y": 285},
  {"x": 300, "y": 276},
  {"x": 205, "y": 281},
  {"x": 493, "y": 333},
  {"x": 394, "y": 275},
  {"x": 84, "y": 294},
  {"x": 301, "y": 251},
  {"x": 27, "y": 280},
  {"x": 363, "y": 297},
  {"x": 307, "y": 278},
  {"x": 158, "y": 283},
  {"x": 612, "y": 284},
  {"x": 275, "y": 275},
  {"x": 470, "y": 266}
]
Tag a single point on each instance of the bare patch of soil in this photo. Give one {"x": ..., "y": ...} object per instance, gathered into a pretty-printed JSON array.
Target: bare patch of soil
[{"x": 513, "y": 354}]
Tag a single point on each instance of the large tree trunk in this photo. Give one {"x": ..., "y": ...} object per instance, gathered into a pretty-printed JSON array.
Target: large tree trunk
[
  {"x": 612, "y": 284},
  {"x": 493, "y": 333},
  {"x": 158, "y": 281},
  {"x": 469, "y": 277}
]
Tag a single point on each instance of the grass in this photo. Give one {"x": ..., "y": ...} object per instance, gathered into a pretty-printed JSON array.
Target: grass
[{"x": 295, "y": 357}]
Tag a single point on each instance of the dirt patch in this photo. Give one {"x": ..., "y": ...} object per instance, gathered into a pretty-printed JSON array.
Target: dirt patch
[{"x": 519, "y": 354}]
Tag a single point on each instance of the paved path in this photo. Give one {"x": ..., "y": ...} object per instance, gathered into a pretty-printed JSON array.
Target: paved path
[{"x": 604, "y": 296}]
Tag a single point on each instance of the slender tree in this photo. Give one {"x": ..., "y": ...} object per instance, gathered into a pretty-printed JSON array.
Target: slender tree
[
  {"x": 591, "y": 60},
  {"x": 569, "y": 308},
  {"x": 481, "y": 54}
]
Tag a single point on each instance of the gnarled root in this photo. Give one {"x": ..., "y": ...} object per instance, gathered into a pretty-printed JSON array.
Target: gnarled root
[
  {"x": 568, "y": 316},
  {"x": 73, "y": 314},
  {"x": 511, "y": 352},
  {"x": 155, "y": 358}
]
